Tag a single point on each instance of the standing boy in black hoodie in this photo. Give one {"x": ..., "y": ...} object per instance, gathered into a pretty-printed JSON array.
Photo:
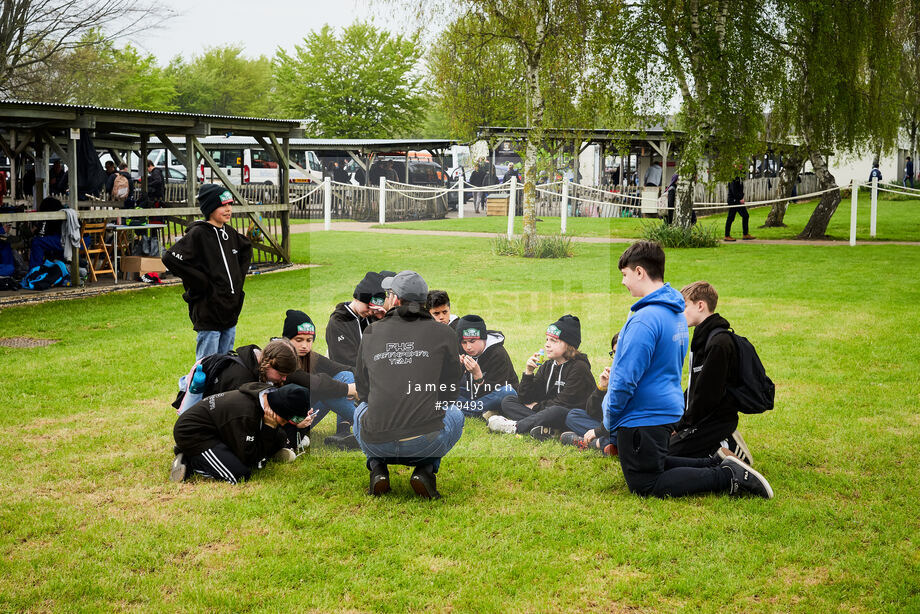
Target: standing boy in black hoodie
[
  {"x": 489, "y": 375},
  {"x": 227, "y": 435},
  {"x": 562, "y": 383},
  {"x": 212, "y": 260},
  {"x": 710, "y": 419}
]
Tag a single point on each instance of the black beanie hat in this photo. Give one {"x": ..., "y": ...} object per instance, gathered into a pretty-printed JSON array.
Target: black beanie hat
[
  {"x": 568, "y": 329},
  {"x": 297, "y": 322},
  {"x": 290, "y": 400},
  {"x": 211, "y": 196},
  {"x": 471, "y": 327},
  {"x": 370, "y": 288}
]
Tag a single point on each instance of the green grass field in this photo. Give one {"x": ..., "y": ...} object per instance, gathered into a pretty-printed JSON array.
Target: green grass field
[
  {"x": 90, "y": 522},
  {"x": 898, "y": 220}
]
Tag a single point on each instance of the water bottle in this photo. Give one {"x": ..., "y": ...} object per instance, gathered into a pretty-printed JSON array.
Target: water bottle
[
  {"x": 198, "y": 379},
  {"x": 541, "y": 357}
]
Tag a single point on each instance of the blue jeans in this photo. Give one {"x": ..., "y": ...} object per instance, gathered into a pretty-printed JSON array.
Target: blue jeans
[
  {"x": 490, "y": 402},
  {"x": 343, "y": 407},
  {"x": 214, "y": 342},
  {"x": 423, "y": 450},
  {"x": 579, "y": 422}
]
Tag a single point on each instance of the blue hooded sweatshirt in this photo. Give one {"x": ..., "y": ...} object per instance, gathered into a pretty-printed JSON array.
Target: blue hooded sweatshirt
[{"x": 644, "y": 387}]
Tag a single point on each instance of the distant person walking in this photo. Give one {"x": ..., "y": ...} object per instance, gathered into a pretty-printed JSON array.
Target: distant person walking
[
  {"x": 875, "y": 173},
  {"x": 653, "y": 174},
  {"x": 477, "y": 180},
  {"x": 909, "y": 172},
  {"x": 736, "y": 207}
]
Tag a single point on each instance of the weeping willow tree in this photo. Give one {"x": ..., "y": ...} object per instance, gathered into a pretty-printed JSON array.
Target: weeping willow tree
[{"x": 839, "y": 63}]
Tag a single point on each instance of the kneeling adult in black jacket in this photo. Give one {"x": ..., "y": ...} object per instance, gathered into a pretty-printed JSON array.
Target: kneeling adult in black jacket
[{"x": 226, "y": 435}]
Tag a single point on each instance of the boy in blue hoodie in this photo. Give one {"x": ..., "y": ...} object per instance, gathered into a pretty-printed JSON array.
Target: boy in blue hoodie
[{"x": 644, "y": 396}]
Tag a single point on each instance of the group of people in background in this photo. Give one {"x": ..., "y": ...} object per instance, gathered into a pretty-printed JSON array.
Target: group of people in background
[{"x": 404, "y": 374}]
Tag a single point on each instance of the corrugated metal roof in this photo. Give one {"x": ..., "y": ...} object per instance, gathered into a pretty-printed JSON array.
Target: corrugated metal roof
[{"x": 81, "y": 107}]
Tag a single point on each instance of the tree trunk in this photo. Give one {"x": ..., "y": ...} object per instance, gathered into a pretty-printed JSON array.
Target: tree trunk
[
  {"x": 534, "y": 140},
  {"x": 816, "y": 228},
  {"x": 687, "y": 170},
  {"x": 788, "y": 178}
]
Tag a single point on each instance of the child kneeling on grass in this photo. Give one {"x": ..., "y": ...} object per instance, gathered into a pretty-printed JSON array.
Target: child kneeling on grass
[
  {"x": 489, "y": 375},
  {"x": 562, "y": 383},
  {"x": 331, "y": 384},
  {"x": 644, "y": 398},
  {"x": 227, "y": 435},
  {"x": 586, "y": 426}
]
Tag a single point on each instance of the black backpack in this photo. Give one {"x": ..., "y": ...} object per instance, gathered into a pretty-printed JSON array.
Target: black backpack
[
  {"x": 47, "y": 275},
  {"x": 753, "y": 391},
  {"x": 213, "y": 366}
]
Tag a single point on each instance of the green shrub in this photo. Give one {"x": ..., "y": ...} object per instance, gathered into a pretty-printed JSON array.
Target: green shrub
[
  {"x": 677, "y": 236},
  {"x": 545, "y": 246}
]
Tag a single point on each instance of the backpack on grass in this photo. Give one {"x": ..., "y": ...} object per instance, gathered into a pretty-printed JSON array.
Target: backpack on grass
[
  {"x": 753, "y": 391},
  {"x": 212, "y": 366}
]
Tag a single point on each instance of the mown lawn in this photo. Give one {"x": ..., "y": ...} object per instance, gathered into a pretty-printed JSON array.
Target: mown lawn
[
  {"x": 90, "y": 522},
  {"x": 898, "y": 220}
]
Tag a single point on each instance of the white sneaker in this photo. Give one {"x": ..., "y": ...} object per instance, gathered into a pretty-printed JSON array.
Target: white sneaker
[
  {"x": 740, "y": 448},
  {"x": 178, "y": 469},
  {"x": 284, "y": 455},
  {"x": 501, "y": 424},
  {"x": 303, "y": 442}
]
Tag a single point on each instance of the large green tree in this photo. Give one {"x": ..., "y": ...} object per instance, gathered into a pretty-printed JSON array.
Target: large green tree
[
  {"x": 839, "y": 62},
  {"x": 359, "y": 82},
  {"x": 551, "y": 51},
  {"x": 36, "y": 34},
  {"x": 223, "y": 81},
  {"x": 96, "y": 72},
  {"x": 703, "y": 53}
]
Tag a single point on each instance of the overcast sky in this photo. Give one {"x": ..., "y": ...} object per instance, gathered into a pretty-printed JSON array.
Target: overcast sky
[{"x": 261, "y": 26}]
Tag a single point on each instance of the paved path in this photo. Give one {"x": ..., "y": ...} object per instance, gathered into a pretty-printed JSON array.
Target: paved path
[{"x": 368, "y": 227}]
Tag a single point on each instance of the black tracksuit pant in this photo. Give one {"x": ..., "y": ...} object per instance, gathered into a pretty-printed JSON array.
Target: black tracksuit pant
[
  {"x": 649, "y": 470},
  {"x": 219, "y": 463},
  {"x": 702, "y": 439},
  {"x": 553, "y": 416}
]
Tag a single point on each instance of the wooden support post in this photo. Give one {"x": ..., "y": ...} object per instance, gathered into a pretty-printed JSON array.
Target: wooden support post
[
  {"x": 327, "y": 203},
  {"x": 855, "y": 189},
  {"x": 72, "y": 174},
  {"x": 565, "y": 205},
  {"x": 512, "y": 197},
  {"x": 13, "y": 169},
  {"x": 142, "y": 163},
  {"x": 665, "y": 180},
  {"x": 191, "y": 171},
  {"x": 873, "y": 208},
  {"x": 284, "y": 195},
  {"x": 383, "y": 201}
]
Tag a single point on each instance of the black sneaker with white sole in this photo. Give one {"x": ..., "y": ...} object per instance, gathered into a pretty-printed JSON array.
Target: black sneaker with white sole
[
  {"x": 541, "y": 433},
  {"x": 746, "y": 481},
  {"x": 178, "y": 470}
]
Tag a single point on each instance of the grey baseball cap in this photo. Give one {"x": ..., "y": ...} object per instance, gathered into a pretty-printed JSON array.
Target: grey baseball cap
[{"x": 408, "y": 286}]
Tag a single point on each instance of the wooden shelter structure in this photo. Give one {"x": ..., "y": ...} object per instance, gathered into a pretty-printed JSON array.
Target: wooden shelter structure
[{"x": 34, "y": 130}]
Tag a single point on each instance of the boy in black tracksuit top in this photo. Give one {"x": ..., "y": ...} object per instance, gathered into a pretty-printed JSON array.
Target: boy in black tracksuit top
[
  {"x": 488, "y": 373},
  {"x": 710, "y": 419},
  {"x": 228, "y": 434},
  {"x": 212, "y": 260},
  {"x": 562, "y": 383}
]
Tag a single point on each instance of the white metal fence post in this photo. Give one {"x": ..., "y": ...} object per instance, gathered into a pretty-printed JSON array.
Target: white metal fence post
[
  {"x": 512, "y": 197},
  {"x": 460, "y": 197},
  {"x": 327, "y": 203},
  {"x": 565, "y": 205},
  {"x": 855, "y": 190},
  {"x": 873, "y": 208},
  {"x": 383, "y": 200}
]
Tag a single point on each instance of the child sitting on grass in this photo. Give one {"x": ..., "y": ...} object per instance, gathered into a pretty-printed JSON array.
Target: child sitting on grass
[
  {"x": 489, "y": 375},
  {"x": 331, "y": 384},
  {"x": 586, "y": 426},
  {"x": 562, "y": 383}
]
